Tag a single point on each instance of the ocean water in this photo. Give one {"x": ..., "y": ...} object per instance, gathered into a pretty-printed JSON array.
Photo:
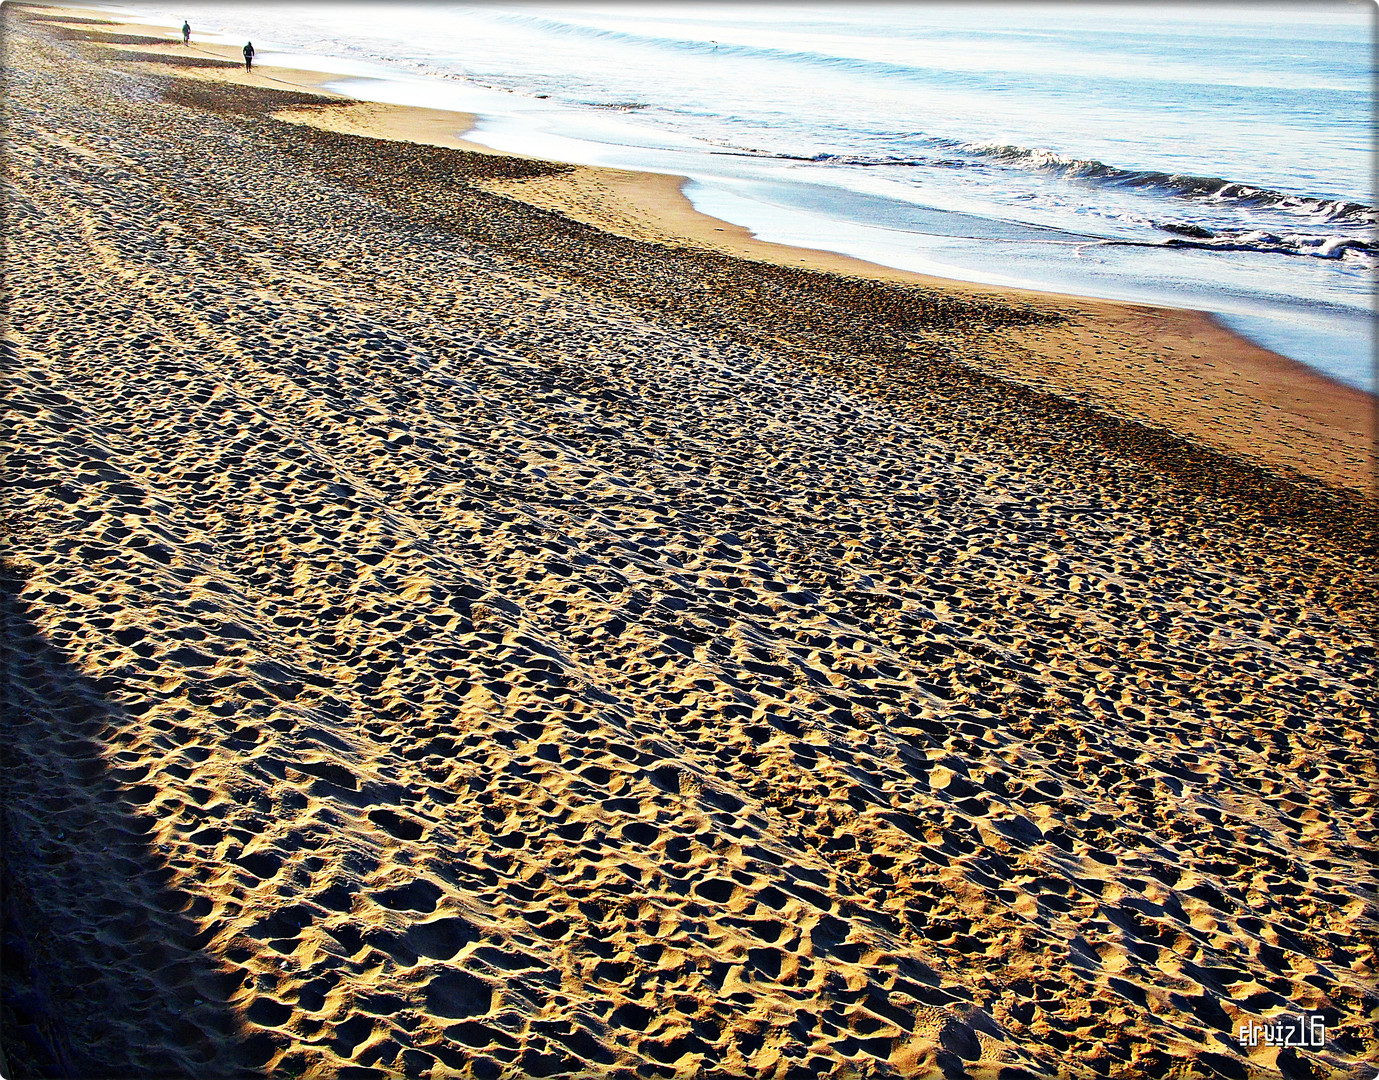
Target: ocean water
[{"x": 1204, "y": 156}]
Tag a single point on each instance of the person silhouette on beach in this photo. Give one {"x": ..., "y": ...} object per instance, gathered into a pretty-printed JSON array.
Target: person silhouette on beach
[
  {"x": 186, "y": 33},
  {"x": 248, "y": 55}
]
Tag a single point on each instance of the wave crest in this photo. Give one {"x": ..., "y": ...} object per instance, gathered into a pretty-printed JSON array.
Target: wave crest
[{"x": 1182, "y": 185}]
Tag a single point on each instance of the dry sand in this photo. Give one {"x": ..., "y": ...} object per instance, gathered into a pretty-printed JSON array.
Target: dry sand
[
  {"x": 1171, "y": 369},
  {"x": 448, "y": 639}
]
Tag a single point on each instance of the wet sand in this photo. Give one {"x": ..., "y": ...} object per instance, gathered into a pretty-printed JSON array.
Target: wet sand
[{"x": 446, "y": 638}]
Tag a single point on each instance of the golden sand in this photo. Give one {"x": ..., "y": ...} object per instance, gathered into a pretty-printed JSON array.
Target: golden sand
[{"x": 465, "y": 619}]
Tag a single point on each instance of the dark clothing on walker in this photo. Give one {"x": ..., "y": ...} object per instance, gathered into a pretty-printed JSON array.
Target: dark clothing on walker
[{"x": 248, "y": 56}]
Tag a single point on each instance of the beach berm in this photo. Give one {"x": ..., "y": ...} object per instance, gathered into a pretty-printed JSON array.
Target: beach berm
[{"x": 459, "y": 625}]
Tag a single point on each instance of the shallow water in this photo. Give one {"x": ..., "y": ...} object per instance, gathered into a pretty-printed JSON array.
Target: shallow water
[{"x": 1216, "y": 158}]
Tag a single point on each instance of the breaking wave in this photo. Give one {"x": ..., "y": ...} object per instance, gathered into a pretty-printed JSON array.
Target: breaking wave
[
  {"x": 1212, "y": 189},
  {"x": 1312, "y": 244}
]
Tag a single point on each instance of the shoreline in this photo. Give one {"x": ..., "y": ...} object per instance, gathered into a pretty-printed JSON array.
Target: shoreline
[
  {"x": 450, "y": 639},
  {"x": 1193, "y": 376}
]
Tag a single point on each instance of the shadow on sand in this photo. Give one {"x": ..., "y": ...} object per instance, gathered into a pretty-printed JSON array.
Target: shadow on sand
[{"x": 103, "y": 970}]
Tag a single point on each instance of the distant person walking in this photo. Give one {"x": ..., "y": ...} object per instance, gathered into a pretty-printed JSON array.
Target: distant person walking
[
  {"x": 186, "y": 33},
  {"x": 248, "y": 56}
]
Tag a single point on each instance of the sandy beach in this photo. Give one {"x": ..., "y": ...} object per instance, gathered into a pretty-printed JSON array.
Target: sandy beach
[{"x": 473, "y": 616}]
